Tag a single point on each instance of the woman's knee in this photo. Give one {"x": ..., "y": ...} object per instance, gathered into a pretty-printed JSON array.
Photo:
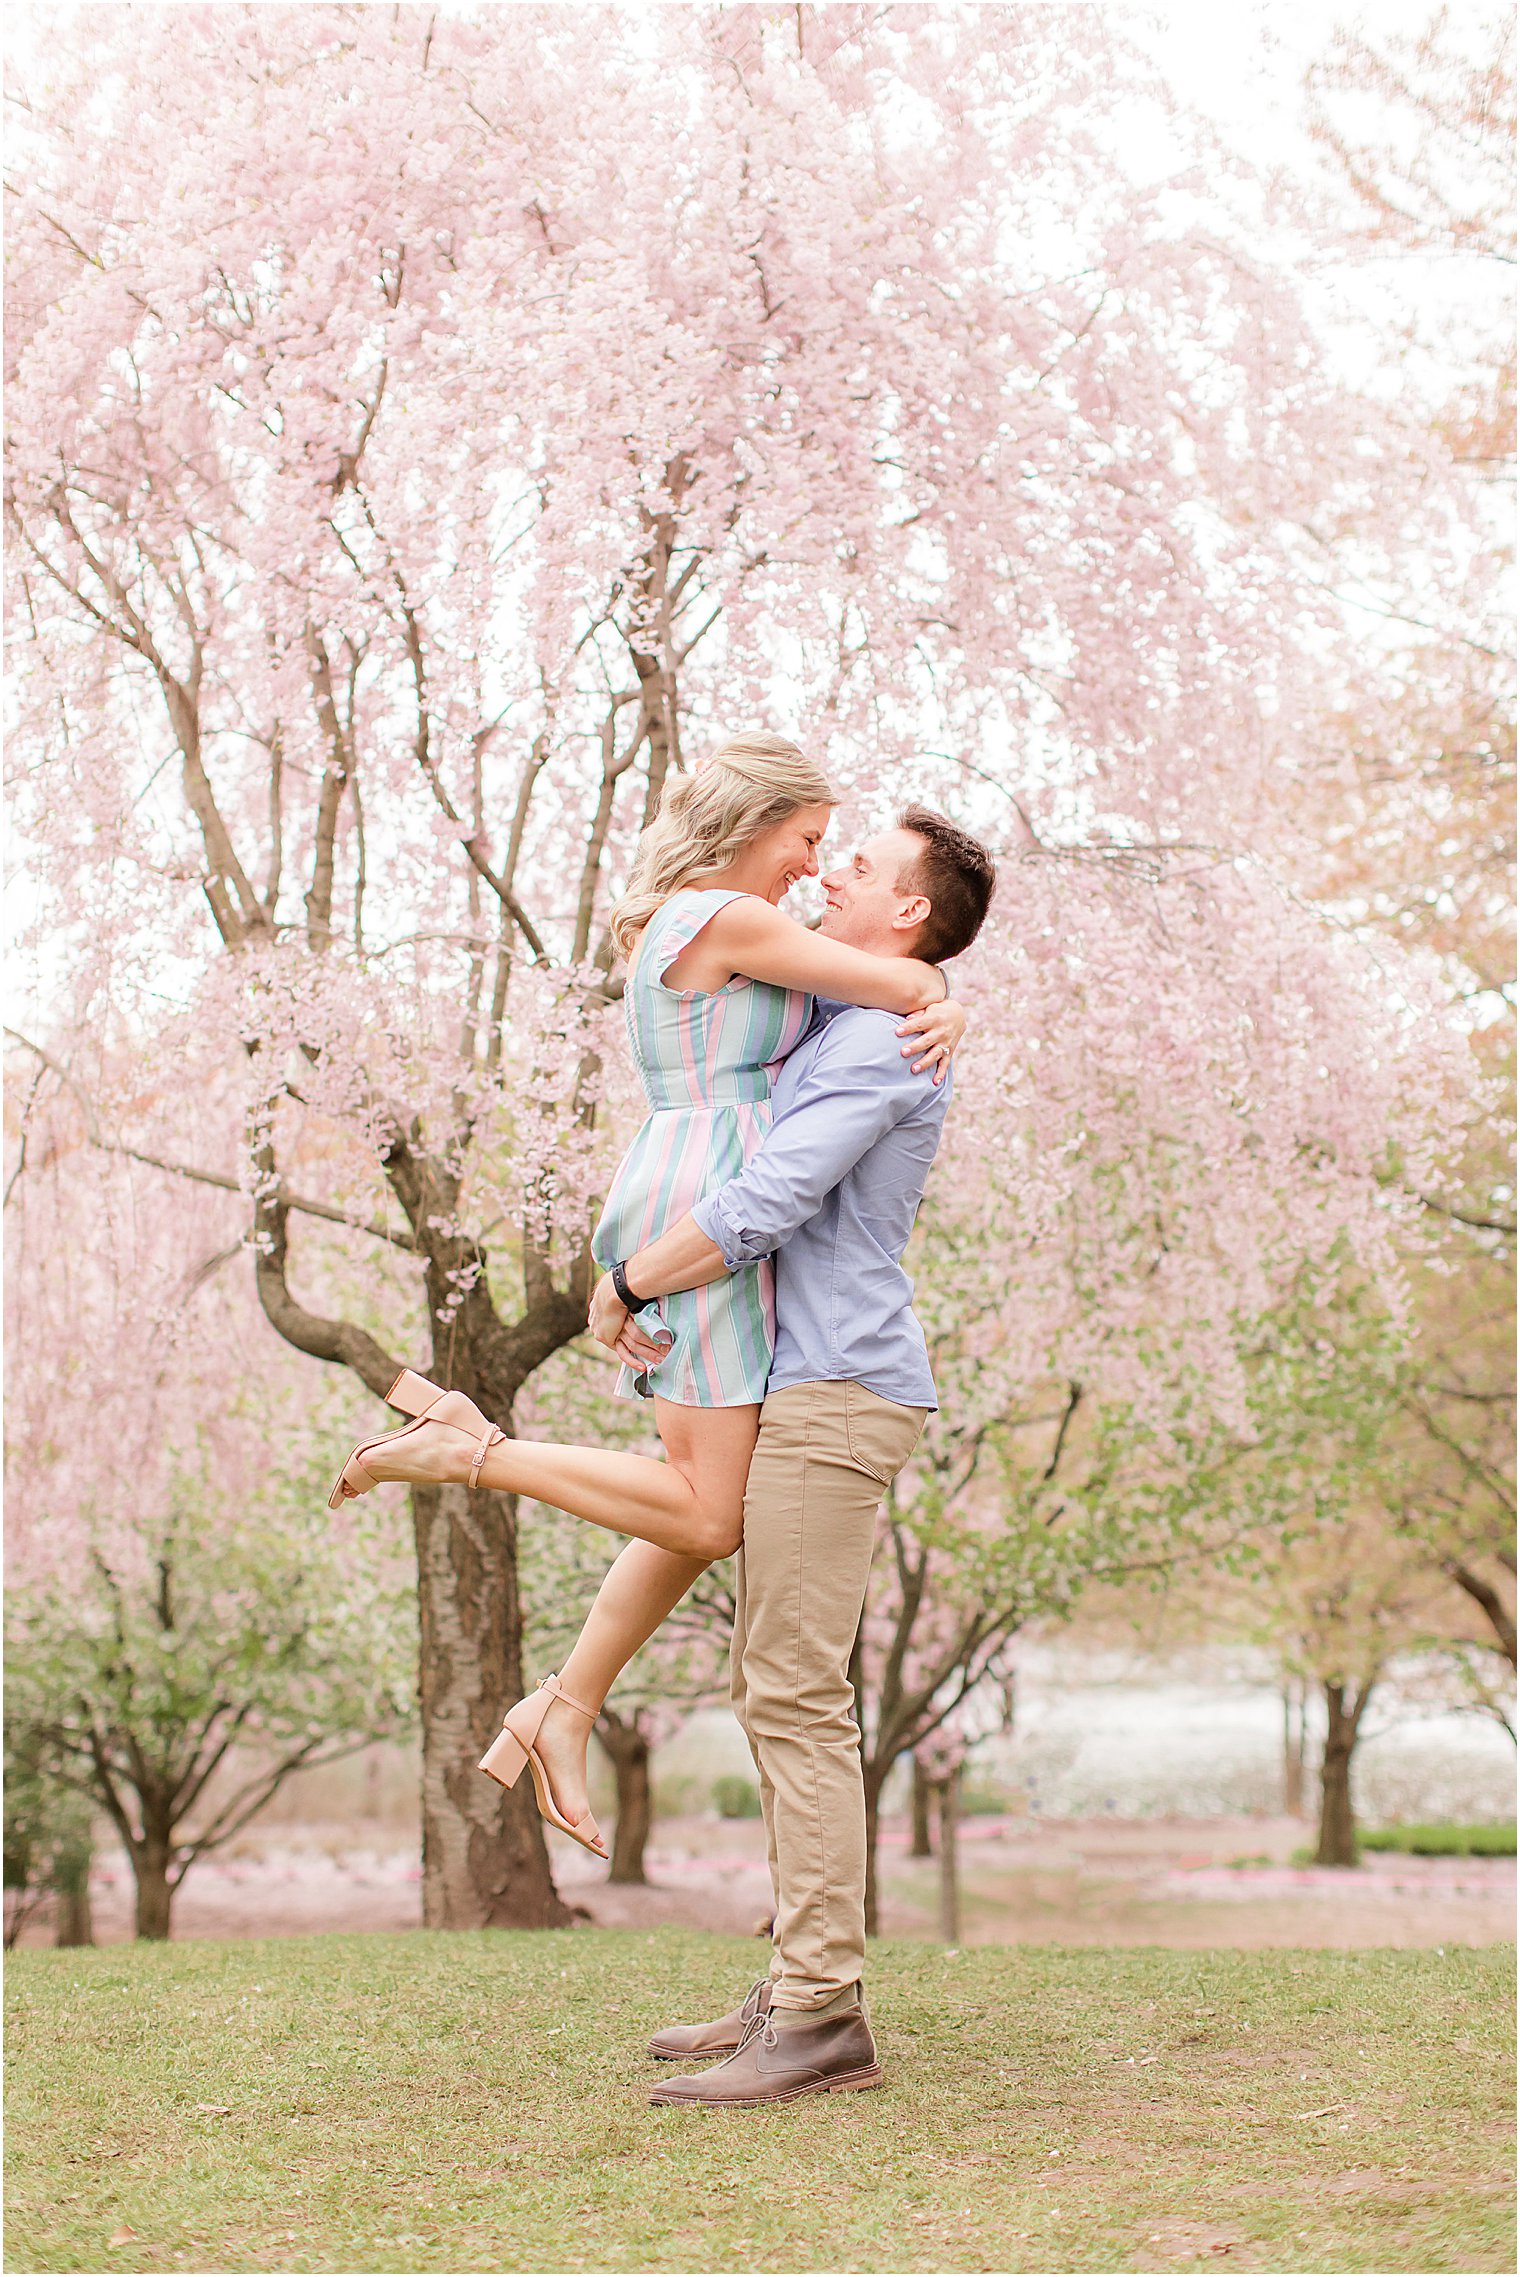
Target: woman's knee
[
  {"x": 711, "y": 1448},
  {"x": 715, "y": 1533}
]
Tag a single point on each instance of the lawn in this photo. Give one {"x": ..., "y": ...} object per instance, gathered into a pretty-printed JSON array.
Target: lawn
[{"x": 475, "y": 2103}]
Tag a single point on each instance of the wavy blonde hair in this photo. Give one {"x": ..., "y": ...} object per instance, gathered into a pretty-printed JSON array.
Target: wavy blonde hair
[{"x": 706, "y": 820}]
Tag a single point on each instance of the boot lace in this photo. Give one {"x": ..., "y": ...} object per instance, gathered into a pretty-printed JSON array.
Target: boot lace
[{"x": 753, "y": 2018}]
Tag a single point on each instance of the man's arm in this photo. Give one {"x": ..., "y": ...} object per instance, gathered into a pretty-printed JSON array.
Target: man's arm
[
  {"x": 857, "y": 1088},
  {"x": 684, "y": 1257}
]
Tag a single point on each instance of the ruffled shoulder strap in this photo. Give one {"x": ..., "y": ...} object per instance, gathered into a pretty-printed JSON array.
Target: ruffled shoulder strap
[{"x": 678, "y": 923}]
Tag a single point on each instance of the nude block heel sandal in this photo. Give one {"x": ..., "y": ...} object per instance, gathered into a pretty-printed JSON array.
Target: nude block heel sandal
[
  {"x": 412, "y": 1393},
  {"x": 514, "y": 1749},
  {"x": 505, "y": 1759},
  {"x": 430, "y": 1403}
]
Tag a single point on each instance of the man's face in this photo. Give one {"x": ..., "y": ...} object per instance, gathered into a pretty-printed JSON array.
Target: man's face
[{"x": 867, "y": 907}]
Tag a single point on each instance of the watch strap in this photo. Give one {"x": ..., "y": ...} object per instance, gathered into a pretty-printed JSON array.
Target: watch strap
[{"x": 626, "y": 1297}]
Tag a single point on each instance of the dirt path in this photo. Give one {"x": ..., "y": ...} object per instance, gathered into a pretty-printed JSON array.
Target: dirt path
[{"x": 1076, "y": 1882}]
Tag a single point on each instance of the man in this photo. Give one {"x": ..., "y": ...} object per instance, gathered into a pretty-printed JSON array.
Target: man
[{"x": 832, "y": 1193}]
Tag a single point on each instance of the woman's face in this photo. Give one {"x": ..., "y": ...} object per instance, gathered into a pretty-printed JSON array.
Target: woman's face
[{"x": 786, "y": 852}]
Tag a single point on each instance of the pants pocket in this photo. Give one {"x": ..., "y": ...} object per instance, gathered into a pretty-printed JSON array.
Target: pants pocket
[{"x": 881, "y": 1436}]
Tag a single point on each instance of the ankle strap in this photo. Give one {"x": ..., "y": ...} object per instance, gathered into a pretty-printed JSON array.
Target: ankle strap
[
  {"x": 553, "y": 1685},
  {"x": 492, "y": 1438}
]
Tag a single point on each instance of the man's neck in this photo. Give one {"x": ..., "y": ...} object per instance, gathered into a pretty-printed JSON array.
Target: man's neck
[{"x": 884, "y": 944}]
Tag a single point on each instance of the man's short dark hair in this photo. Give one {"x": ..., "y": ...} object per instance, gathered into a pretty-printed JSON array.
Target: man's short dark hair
[{"x": 957, "y": 874}]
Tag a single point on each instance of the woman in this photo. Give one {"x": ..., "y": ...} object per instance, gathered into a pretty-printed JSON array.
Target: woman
[{"x": 720, "y": 988}]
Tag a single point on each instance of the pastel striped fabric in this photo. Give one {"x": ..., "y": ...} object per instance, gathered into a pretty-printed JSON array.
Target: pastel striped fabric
[{"x": 706, "y": 1061}]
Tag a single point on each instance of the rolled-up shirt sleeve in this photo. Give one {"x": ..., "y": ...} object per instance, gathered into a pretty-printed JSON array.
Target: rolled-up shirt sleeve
[{"x": 857, "y": 1088}]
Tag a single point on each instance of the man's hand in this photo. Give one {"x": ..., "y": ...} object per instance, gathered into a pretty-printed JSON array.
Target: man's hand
[{"x": 613, "y": 1325}]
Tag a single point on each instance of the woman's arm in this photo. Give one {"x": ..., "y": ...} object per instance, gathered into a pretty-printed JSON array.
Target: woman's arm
[{"x": 747, "y": 936}]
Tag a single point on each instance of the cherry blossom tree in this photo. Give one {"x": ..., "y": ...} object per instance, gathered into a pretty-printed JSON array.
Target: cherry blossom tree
[
  {"x": 1009, "y": 1520},
  {"x": 423, "y": 449},
  {"x": 49, "y": 1843},
  {"x": 1417, "y": 823},
  {"x": 185, "y": 1624}
]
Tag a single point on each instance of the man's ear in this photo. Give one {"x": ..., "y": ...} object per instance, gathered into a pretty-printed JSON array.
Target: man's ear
[{"x": 911, "y": 913}]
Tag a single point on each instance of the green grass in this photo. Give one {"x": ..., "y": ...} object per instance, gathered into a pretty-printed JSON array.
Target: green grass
[
  {"x": 1443, "y": 1841},
  {"x": 476, "y": 2102}
]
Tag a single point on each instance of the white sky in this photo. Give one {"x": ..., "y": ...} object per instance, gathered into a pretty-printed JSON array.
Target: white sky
[{"x": 1241, "y": 60}]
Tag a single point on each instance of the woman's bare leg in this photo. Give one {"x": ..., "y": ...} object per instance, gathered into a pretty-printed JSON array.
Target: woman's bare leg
[
  {"x": 639, "y": 1590},
  {"x": 687, "y": 1504},
  {"x": 642, "y": 1586},
  {"x": 711, "y": 1447},
  {"x": 684, "y": 1512}
]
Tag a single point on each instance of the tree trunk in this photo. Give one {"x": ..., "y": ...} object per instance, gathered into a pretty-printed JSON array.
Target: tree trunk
[
  {"x": 76, "y": 1923},
  {"x": 873, "y": 1784},
  {"x": 628, "y": 1748},
  {"x": 948, "y": 1793},
  {"x": 1337, "y": 1824},
  {"x": 922, "y": 1844},
  {"x": 485, "y": 1864},
  {"x": 484, "y": 1860},
  {"x": 155, "y": 1894},
  {"x": 71, "y": 1881}
]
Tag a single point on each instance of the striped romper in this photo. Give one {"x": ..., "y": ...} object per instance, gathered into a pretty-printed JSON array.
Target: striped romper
[{"x": 706, "y": 1061}]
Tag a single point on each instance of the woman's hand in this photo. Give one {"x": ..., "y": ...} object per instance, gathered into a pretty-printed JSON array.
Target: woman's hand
[
  {"x": 611, "y": 1324},
  {"x": 608, "y": 1316},
  {"x": 937, "y": 1030}
]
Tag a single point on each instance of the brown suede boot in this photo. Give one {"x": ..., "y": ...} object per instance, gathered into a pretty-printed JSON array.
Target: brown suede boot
[
  {"x": 679, "y": 2041},
  {"x": 771, "y": 2066}
]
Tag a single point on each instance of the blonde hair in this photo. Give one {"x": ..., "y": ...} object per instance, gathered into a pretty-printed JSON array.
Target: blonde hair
[{"x": 706, "y": 820}]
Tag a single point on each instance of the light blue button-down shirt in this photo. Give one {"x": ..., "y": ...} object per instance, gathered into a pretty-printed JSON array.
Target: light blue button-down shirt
[{"x": 832, "y": 1192}]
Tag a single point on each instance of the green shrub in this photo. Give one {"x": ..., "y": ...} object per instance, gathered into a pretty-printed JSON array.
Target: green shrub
[
  {"x": 736, "y": 1797},
  {"x": 985, "y": 1802},
  {"x": 1444, "y": 1841},
  {"x": 678, "y": 1794},
  {"x": 1432, "y": 1842}
]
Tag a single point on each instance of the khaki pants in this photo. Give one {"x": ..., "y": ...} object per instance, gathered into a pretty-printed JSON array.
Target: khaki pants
[{"x": 825, "y": 1455}]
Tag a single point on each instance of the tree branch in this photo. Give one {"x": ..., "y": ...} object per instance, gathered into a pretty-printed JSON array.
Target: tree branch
[
  {"x": 614, "y": 767},
  {"x": 1074, "y": 1400},
  {"x": 337, "y": 1341},
  {"x": 1500, "y": 1619},
  {"x": 412, "y": 638},
  {"x": 1468, "y": 1217},
  {"x": 1497, "y": 1485},
  {"x": 335, "y": 776},
  {"x": 302, "y": 1202},
  {"x": 250, "y": 1799}
]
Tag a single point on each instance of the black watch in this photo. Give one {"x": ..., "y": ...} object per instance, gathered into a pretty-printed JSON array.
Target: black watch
[{"x": 626, "y": 1297}]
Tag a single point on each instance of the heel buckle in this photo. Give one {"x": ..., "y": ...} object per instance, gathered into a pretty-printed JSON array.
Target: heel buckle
[{"x": 480, "y": 1454}]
